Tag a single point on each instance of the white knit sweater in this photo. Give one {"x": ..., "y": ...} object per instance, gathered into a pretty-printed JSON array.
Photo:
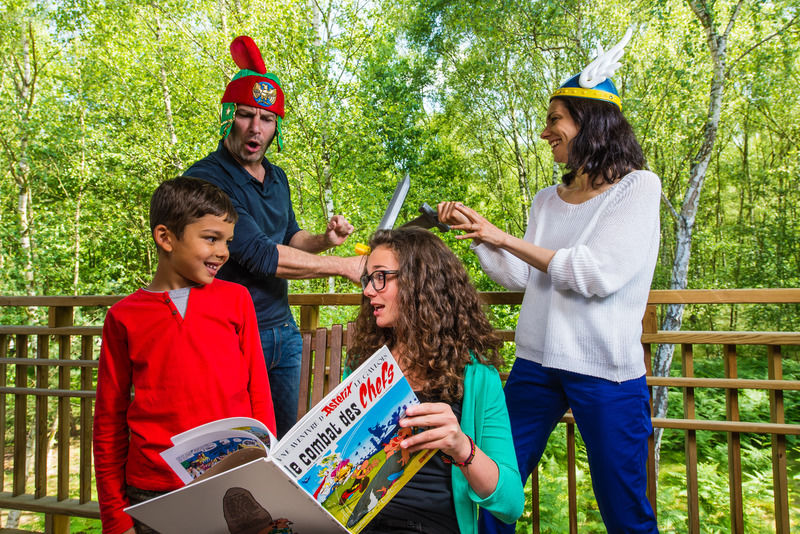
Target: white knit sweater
[{"x": 585, "y": 314}]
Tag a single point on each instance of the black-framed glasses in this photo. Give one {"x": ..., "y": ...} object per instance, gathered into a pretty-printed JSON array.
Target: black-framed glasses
[{"x": 378, "y": 279}]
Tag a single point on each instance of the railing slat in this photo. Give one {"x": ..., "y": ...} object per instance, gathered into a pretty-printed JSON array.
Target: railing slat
[
  {"x": 692, "y": 485},
  {"x": 779, "y": 475},
  {"x": 536, "y": 513},
  {"x": 572, "y": 480},
  {"x": 320, "y": 351},
  {"x": 85, "y": 476},
  {"x": 4, "y": 340},
  {"x": 40, "y": 418},
  {"x": 734, "y": 445},
  {"x": 20, "y": 414}
]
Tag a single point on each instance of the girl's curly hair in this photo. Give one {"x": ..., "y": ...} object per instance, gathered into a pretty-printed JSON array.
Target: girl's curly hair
[
  {"x": 440, "y": 320},
  {"x": 605, "y": 147}
]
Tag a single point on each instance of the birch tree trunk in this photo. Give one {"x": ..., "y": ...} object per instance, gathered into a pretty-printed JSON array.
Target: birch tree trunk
[
  {"x": 685, "y": 220},
  {"x": 76, "y": 252},
  {"x": 24, "y": 76},
  {"x": 162, "y": 72}
]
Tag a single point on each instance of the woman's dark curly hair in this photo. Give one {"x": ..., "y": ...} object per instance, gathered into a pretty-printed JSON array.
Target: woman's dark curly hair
[
  {"x": 440, "y": 320},
  {"x": 605, "y": 147}
]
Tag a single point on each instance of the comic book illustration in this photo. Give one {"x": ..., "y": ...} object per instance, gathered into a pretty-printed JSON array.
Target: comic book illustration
[
  {"x": 338, "y": 466},
  {"x": 202, "y": 448}
]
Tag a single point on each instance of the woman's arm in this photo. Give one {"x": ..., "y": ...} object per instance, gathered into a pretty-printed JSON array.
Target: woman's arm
[
  {"x": 444, "y": 433},
  {"x": 476, "y": 227}
]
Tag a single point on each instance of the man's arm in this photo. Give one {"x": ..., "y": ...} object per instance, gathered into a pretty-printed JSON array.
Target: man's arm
[
  {"x": 295, "y": 264},
  {"x": 337, "y": 231}
]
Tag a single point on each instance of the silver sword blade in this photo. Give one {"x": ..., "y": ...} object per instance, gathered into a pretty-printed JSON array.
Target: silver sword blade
[{"x": 393, "y": 210}]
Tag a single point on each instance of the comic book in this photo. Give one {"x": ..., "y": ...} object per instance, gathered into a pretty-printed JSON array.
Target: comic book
[{"x": 332, "y": 472}]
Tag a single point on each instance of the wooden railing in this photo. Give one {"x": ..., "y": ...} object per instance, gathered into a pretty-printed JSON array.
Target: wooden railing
[{"x": 54, "y": 367}]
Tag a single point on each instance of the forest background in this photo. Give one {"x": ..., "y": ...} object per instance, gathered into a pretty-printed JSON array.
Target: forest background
[{"x": 100, "y": 101}]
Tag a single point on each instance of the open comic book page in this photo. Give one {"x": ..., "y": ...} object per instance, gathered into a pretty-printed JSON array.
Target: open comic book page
[
  {"x": 198, "y": 450},
  {"x": 253, "y": 498},
  {"x": 346, "y": 452}
]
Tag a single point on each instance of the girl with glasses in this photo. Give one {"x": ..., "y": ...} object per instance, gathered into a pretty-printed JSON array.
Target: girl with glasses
[{"x": 419, "y": 301}]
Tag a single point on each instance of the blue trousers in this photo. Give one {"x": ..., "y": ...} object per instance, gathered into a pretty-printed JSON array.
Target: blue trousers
[
  {"x": 614, "y": 422},
  {"x": 283, "y": 348}
]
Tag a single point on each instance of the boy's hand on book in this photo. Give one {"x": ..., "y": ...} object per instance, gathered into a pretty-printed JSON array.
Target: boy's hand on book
[{"x": 442, "y": 430}]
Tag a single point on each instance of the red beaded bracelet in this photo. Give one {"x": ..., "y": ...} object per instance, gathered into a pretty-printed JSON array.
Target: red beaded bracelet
[{"x": 446, "y": 458}]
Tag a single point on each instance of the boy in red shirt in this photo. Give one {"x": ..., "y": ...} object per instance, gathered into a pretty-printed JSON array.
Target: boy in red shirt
[{"x": 187, "y": 345}]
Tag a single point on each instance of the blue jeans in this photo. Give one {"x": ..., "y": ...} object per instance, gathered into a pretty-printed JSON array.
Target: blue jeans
[
  {"x": 283, "y": 347},
  {"x": 614, "y": 422}
]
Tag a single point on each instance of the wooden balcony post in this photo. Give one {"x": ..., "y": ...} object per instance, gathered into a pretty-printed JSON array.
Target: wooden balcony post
[
  {"x": 779, "y": 476},
  {"x": 692, "y": 484},
  {"x": 62, "y": 316},
  {"x": 650, "y": 326},
  {"x": 734, "y": 445},
  {"x": 309, "y": 317}
]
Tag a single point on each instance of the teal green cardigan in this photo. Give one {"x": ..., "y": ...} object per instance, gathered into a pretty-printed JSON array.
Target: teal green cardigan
[{"x": 484, "y": 417}]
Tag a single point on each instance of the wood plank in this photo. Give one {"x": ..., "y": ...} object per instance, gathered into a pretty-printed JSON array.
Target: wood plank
[
  {"x": 325, "y": 299},
  {"x": 85, "y": 459},
  {"x": 50, "y": 363},
  {"x": 305, "y": 376},
  {"x": 335, "y": 373},
  {"x": 652, "y": 479},
  {"x": 53, "y": 331},
  {"x": 724, "y": 383},
  {"x": 690, "y": 445},
  {"x": 64, "y": 420},
  {"x": 20, "y": 415},
  {"x": 535, "y": 512},
  {"x": 77, "y": 301},
  {"x": 727, "y": 426},
  {"x": 723, "y": 338},
  {"x": 41, "y": 425},
  {"x": 572, "y": 480},
  {"x": 657, "y": 296},
  {"x": 780, "y": 479},
  {"x": 4, "y": 340},
  {"x": 48, "y": 392},
  {"x": 49, "y": 505},
  {"x": 320, "y": 350},
  {"x": 734, "y": 445},
  {"x": 309, "y": 317},
  {"x": 724, "y": 296}
]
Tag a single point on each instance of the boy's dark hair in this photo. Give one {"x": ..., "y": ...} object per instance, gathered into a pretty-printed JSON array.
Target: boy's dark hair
[
  {"x": 182, "y": 200},
  {"x": 605, "y": 148}
]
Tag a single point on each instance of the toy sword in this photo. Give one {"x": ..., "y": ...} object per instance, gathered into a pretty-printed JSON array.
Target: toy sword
[{"x": 392, "y": 211}]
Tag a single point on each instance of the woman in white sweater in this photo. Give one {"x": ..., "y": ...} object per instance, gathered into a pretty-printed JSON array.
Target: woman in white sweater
[{"x": 585, "y": 263}]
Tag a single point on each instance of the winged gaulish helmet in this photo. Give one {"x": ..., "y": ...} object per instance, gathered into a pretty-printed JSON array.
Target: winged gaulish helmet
[
  {"x": 251, "y": 86},
  {"x": 594, "y": 81}
]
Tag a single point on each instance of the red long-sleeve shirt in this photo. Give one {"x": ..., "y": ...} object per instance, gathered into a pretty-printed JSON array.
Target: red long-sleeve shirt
[{"x": 185, "y": 371}]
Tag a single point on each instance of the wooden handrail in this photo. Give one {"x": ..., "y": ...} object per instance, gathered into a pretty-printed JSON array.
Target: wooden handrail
[{"x": 657, "y": 296}]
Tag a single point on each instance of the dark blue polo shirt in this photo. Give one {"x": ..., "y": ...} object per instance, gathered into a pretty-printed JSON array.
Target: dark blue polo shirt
[{"x": 266, "y": 219}]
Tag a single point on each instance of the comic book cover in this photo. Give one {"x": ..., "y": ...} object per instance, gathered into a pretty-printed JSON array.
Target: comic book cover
[
  {"x": 332, "y": 472},
  {"x": 346, "y": 451}
]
